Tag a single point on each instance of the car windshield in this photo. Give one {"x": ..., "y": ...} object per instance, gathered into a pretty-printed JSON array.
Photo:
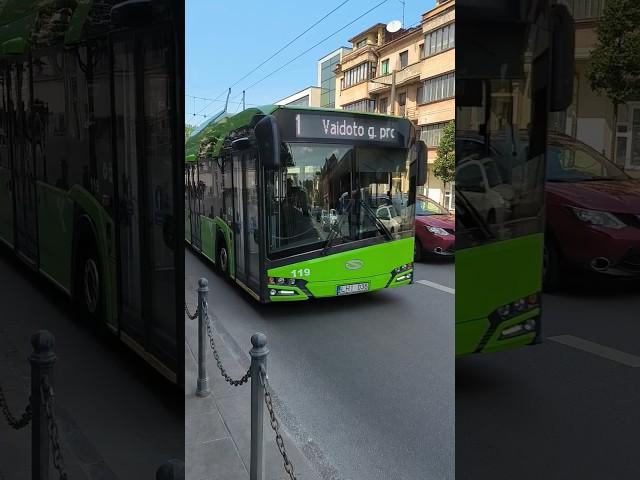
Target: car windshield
[
  {"x": 348, "y": 186},
  {"x": 426, "y": 207},
  {"x": 571, "y": 162}
]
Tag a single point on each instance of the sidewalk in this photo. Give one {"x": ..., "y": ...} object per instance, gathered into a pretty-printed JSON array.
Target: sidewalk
[{"x": 217, "y": 427}]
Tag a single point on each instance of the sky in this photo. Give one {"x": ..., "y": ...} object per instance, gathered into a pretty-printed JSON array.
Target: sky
[{"x": 226, "y": 39}]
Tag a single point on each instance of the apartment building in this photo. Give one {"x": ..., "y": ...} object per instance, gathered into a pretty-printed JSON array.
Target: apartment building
[
  {"x": 408, "y": 73},
  {"x": 590, "y": 118},
  {"x": 308, "y": 97},
  {"x": 327, "y": 76}
]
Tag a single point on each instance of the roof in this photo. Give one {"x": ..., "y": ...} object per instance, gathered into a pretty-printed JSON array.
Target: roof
[
  {"x": 219, "y": 128},
  {"x": 373, "y": 28}
]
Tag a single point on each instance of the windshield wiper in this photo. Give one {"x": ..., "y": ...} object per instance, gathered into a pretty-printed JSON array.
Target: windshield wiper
[
  {"x": 483, "y": 226},
  {"x": 379, "y": 222}
]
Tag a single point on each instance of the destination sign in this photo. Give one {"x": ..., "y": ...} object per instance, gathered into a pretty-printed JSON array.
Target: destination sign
[{"x": 348, "y": 128}]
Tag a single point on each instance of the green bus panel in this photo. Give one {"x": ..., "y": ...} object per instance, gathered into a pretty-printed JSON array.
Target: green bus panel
[
  {"x": 208, "y": 237},
  {"x": 6, "y": 206},
  {"x": 55, "y": 233},
  {"x": 377, "y": 265},
  {"x": 488, "y": 277}
]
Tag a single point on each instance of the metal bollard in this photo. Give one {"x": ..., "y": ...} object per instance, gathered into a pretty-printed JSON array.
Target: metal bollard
[
  {"x": 202, "y": 389},
  {"x": 42, "y": 359},
  {"x": 171, "y": 470},
  {"x": 258, "y": 354}
]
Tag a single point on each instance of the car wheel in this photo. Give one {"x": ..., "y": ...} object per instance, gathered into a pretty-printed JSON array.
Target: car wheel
[
  {"x": 417, "y": 251},
  {"x": 551, "y": 275}
]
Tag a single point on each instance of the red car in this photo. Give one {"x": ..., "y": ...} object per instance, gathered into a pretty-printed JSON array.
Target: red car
[
  {"x": 593, "y": 214},
  {"x": 435, "y": 229}
]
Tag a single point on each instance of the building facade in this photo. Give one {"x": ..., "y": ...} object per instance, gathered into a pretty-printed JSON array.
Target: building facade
[
  {"x": 327, "y": 76},
  {"x": 309, "y": 97},
  {"x": 421, "y": 63},
  {"x": 590, "y": 118}
]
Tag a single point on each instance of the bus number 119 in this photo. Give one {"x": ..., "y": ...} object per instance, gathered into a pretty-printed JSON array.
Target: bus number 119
[{"x": 303, "y": 272}]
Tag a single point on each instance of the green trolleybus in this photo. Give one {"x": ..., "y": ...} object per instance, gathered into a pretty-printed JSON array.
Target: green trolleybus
[
  {"x": 299, "y": 203},
  {"x": 90, "y": 161},
  {"x": 514, "y": 65}
]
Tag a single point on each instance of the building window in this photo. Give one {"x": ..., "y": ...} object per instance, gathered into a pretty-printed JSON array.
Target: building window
[
  {"x": 583, "y": 9},
  {"x": 402, "y": 102},
  {"x": 404, "y": 58},
  {"x": 365, "y": 105},
  {"x": 384, "y": 67},
  {"x": 383, "y": 104},
  {"x": 421, "y": 50},
  {"x": 438, "y": 40},
  {"x": 449, "y": 197},
  {"x": 356, "y": 74},
  {"x": 437, "y": 88},
  {"x": 431, "y": 134},
  {"x": 328, "y": 82},
  {"x": 361, "y": 43}
]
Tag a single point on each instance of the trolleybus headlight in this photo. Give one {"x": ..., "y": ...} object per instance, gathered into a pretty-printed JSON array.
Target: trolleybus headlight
[
  {"x": 530, "y": 325},
  {"x": 273, "y": 293},
  {"x": 519, "y": 305},
  {"x": 504, "y": 311},
  {"x": 280, "y": 281},
  {"x": 271, "y": 280},
  {"x": 292, "y": 281},
  {"x": 532, "y": 300}
]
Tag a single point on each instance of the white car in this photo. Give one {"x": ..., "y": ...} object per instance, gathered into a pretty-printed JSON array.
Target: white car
[
  {"x": 388, "y": 215},
  {"x": 481, "y": 182}
]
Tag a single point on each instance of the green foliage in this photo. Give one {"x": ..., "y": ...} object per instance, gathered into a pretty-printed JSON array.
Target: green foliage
[
  {"x": 188, "y": 130},
  {"x": 444, "y": 166},
  {"x": 615, "y": 61}
]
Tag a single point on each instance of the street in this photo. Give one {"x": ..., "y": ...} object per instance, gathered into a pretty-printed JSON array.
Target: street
[
  {"x": 117, "y": 419},
  {"x": 364, "y": 383},
  {"x": 567, "y": 408}
]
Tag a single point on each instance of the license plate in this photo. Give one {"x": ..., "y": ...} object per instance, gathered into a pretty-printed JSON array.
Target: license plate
[{"x": 353, "y": 288}]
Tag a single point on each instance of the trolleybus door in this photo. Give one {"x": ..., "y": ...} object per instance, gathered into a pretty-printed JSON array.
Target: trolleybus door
[
  {"x": 252, "y": 233},
  {"x": 23, "y": 163},
  {"x": 238, "y": 217},
  {"x": 196, "y": 207}
]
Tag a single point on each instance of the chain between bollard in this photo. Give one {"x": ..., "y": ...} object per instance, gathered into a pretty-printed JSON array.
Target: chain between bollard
[
  {"x": 236, "y": 383},
  {"x": 186, "y": 310},
  {"x": 52, "y": 426},
  {"x": 275, "y": 425},
  {"x": 14, "y": 422}
]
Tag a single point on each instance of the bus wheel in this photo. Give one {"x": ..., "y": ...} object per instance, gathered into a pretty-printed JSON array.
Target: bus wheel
[
  {"x": 223, "y": 259},
  {"x": 417, "y": 250},
  {"x": 89, "y": 280},
  {"x": 550, "y": 268}
]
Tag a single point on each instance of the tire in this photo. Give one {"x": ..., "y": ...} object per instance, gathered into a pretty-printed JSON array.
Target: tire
[
  {"x": 418, "y": 256},
  {"x": 89, "y": 284},
  {"x": 222, "y": 259},
  {"x": 552, "y": 277}
]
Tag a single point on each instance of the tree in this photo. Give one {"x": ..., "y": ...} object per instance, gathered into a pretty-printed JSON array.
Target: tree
[
  {"x": 615, "y": 61},
  {"x": 188, "y": 130},
  {"x": 444, "y": 166}
]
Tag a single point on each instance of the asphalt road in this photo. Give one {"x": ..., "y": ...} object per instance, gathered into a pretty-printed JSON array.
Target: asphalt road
[
  {"x": 563, "y": 409},
  {"x": 365, "y": 382},
  {"x": 117, "y": 419}
]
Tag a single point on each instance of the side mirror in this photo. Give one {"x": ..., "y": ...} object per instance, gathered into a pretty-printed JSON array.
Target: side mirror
[
  {"x": 421, "y": 159},
  {"x": 562, "y": 58},
  {"x": 131, "y": 13},
  {"x": 268, "y": 140},
  {"x": 241, "y": 143}
]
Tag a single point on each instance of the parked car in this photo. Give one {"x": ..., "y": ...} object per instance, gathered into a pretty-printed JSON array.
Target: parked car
[
  {"x": 328, "y": 218},
  {"x": 435, "y": 229},
  {"x": 482, "y": 183},
  {"x": 593, "y": 213},
  {"x": 389, "y": 216}
]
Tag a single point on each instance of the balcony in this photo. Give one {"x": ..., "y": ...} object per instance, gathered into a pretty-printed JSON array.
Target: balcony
[{"x": 407, "y": 74}]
